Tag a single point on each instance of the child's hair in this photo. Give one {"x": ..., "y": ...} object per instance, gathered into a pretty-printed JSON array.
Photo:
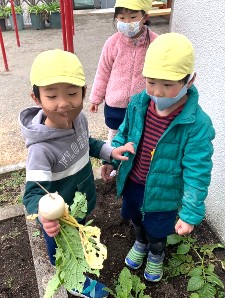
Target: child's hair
[
  {"x": 119, "y": 10},
  {"x": 185, "y": 79},
  {"x": 37, "y": 92}
]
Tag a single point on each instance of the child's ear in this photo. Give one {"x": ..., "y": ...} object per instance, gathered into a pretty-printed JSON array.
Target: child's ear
[
  {"x": 146, "y": 17},
  {"x": 191, "y": 81},
  {"x": 35, "y": 99}
]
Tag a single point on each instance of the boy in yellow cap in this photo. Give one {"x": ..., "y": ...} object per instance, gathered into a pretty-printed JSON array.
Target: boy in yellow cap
[
  {"x": 170, "y": 172},
  {"x": 59, "y": 146},
  {"x": 119, "y": 72}
]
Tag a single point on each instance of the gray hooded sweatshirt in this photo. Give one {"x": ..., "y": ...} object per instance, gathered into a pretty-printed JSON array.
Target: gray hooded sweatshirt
[{"x": 59, "y": 159}]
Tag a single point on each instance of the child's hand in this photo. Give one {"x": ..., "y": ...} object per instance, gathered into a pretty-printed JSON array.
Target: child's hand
[
  {"x": 117, "y": 153},
  {"x": 51, "y": 227},
  {"x": 93, "y": 108},
  {"x": 182, "y": 228},
  {"x": 106, "y": 171}
]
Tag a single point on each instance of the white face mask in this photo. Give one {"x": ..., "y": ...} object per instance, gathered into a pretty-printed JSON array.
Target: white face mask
[
  {"x": 128, "y": 29},
  {"x": 166, "y": 102}
]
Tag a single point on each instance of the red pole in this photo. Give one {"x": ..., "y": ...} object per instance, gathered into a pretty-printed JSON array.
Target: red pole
[
  {"x": 3, "y": 50},
  {"x": 71, "y": 4},
  {"x": 62, "y": 9},
  {"x": 69, "y": 31},
  {"x": 15, "y": 23}
]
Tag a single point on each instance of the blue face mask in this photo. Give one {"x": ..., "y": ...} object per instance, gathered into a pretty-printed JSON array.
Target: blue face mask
[
  {"x": 166, "y": 102},
  {"x": 128, "y": 29}
]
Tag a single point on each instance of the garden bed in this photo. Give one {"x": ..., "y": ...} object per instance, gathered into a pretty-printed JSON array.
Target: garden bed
[
  {"x": 17, "y": 274},
  {"x": 18, "y": 279}
]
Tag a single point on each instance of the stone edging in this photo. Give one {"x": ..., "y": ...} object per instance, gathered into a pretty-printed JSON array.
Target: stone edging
[
  {"x": 11, "y": 211},
  {"x": 11, "y": 168}
]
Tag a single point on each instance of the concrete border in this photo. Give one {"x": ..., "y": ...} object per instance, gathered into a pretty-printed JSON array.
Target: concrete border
[
  {"x": 13, "y": 167},
  {"x": 43, "y": 268},
  {"x": 11, "y": 211}
]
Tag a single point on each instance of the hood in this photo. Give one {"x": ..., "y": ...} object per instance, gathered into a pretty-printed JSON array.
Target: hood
[{"x": 34, "y": 131}]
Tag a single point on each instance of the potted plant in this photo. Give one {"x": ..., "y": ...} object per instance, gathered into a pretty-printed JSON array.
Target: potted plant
[
  {"x": 37, "y": 12},
  {"x": 19, "y": 16},
  {"x": 3, "y": 16},
  {"x": 38, "y": 15},
  {"x": 53, "y": 8}
]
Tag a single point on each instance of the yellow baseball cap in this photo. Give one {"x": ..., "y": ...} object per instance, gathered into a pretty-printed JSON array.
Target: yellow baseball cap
[
  {"x": 57, "y": 66},
  {"x": 135, "y": 4},
  {"x": 169, "y": 57}
]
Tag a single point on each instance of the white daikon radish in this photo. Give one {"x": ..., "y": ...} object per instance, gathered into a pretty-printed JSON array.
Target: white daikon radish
[{"x": 51, "y": 206}]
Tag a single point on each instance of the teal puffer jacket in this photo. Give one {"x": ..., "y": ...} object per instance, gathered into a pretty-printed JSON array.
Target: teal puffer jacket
[{"x": 180, "y": 170}]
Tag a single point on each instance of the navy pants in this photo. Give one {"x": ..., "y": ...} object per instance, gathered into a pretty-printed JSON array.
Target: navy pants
[
  {"x": 114, "y": 116},
  {"x": 152, "y": 227}
]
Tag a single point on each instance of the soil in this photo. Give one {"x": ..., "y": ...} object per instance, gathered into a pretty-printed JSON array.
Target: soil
[
  {"x": 17, "y": 277},
  {"x": 17, "y": 274}
]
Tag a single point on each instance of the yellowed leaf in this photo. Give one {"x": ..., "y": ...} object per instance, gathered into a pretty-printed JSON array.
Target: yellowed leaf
[
  {"x": 94, "y": 251},
  {"x": 32, "y": 216}
]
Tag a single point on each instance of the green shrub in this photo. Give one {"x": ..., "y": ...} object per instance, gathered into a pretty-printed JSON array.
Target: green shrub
[
  {"x": 3, "y": 13},
  {"x": 18, "y": 10},
  {"x": 53, "y": 6},
  {"x": 36, "y": 9}
]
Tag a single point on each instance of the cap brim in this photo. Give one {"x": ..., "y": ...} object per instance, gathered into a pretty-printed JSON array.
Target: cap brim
[
  {"x": 60, "y": 79},
  {"x": 164, "y": 75}
]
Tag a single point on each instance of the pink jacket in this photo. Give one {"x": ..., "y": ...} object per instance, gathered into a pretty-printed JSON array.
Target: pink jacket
[{"x": 119, "y": 72}]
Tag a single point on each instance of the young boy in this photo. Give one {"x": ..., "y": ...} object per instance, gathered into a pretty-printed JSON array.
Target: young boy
[
  {"x": 59, "y": 147},
  {"x": 170, "y": 172}
]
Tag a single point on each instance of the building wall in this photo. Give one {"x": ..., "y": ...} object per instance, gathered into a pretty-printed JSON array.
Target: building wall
[{"x": 203, "y": 22}]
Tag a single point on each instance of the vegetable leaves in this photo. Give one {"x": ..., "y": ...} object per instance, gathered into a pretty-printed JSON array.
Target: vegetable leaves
[{"x": 79, "y": 250}]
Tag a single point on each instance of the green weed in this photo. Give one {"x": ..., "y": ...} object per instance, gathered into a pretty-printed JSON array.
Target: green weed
[
  {"x": 128, "y": 285},
  {"x": 9, "y": 282},
  {"x": 197, "y": 264},
  {"x": 10, "y": 191},
  {"x": 36, "y": 233}
]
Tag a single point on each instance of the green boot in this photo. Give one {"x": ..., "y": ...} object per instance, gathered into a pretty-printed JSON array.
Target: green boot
[
  {"x": 134, "y": 258},
  {"x": 154, "y": 267}
]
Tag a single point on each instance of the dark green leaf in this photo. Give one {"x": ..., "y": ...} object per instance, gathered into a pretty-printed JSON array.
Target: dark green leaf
[
  {"x": 194, "y": 295},
  {"x": 196, "y": 271},
  {"x": 207, "y": 291},
  {"x": 185, "y": 268},
  {"x": 211, "y": 247},
  {"x": 210, "y": 268},
  {"x": 174, "y": 239},
  {"x": 191, "y": 240},
  {"x": 183, "y": 248},
  {"x": 215, "y": 280},
  {"x": 195, "y": 283}
]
